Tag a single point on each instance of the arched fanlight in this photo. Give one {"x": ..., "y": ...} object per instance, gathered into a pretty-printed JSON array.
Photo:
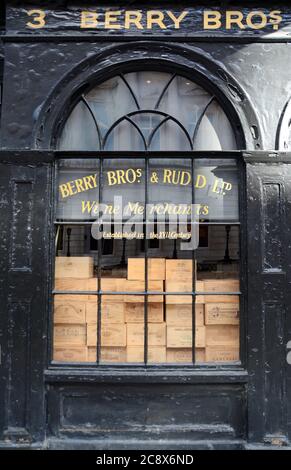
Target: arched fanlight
[{"x": 147, "y": 111}]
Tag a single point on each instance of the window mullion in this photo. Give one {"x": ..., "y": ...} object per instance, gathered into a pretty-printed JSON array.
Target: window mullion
[
  {"x": 146, "y": 264},
  {"x": 193, "y": 263},
  {"x": 99, "y": 312}
]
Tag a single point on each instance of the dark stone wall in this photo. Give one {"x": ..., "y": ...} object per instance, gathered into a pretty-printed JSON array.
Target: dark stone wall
[{"x": 33, "y": 70}]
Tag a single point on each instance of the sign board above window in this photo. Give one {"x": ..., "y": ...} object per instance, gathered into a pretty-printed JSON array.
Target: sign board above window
[{"x": 152, "y": 19}]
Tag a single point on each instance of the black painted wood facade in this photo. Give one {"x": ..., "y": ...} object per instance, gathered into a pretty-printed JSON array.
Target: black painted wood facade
[{"x": 41, "y": 405}]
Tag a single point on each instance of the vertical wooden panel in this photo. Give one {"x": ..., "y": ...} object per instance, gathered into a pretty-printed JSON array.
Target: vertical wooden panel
[
  {"x": 25, "y": 278},
  {"x": 273, "y": 310},
  {"x": 274, "y": 365},
  {"x": 5, "y": 211},
  {"x": 269, "y": 242},
  {"x": 21, "y": 231},
  {"x": 19, "y": 366},
  {"x": 272, "y": 226}
]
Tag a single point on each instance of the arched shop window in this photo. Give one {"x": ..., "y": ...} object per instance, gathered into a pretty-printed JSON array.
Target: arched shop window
[{"x": 147, "y": 231}]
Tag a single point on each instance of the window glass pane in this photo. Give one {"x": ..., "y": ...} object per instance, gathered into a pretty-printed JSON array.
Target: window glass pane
[
  {"x": 217, "y": 258},
  {"x": 192, "y": 261},
  {"x": 77, "y": 190},
  {"x": 76, "y": 261},
  {"x": 215, "y": 131},
  {"x": 124, "y": 191},
  {"x": 170, "y": 136},
  {"x": 185, "y": 100},
  {"x": 169, "y": 221},
  {"x": 216, "y": 189},
  {"x": 75, "y": 136},
  {"x": 125, "y": 136},
  {"x": 74, "y": 318},
  {"x": 122, "y": 112},
  {"x": 148, "y": 86},
  {"x": 109, "y": 101}
]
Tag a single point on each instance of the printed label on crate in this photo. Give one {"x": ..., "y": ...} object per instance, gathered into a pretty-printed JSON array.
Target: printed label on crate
[{"x": 181, "y": 337}]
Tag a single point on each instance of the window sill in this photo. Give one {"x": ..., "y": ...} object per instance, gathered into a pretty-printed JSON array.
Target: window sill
[{"x": 183, "y": 375}]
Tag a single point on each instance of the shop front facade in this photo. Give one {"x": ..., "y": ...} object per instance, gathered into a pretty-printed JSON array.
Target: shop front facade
[{"x": 145, "y": 226}]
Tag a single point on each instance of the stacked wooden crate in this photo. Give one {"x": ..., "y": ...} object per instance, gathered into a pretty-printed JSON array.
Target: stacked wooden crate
[
  {"x": 169, "y": 318},
  {"x": 113, "y": 328},
  {"x": 216, "y": 316},
  {"x": 72, "y": 312},
  {"x": 221, "y": 320},
  {"x": 179, "y": 313},
  {"x": 134, "y": 308},
  {"x": 123, "y": 340}
]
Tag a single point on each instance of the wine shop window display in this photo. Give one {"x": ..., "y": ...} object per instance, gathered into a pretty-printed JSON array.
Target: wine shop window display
[{"x": 119, "y": 298}]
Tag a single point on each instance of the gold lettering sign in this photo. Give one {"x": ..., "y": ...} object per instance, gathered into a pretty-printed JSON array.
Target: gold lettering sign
[
  {"x": 213, "y": 19},
  {"x": 161, "y": 20},
  {"x": 168, "y": 176},
  {"x": 78, "y": 186},
  {"x": 38, "y": 19}
]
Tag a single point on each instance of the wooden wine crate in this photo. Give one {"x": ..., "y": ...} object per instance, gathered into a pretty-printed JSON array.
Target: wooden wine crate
[
  {"x": 113, "y": 354},
  {"x": 64, "y": 298},
  {"x": 156, "y": 334},
  {"x": 91, "y": 353},
  {"x": 156, "y": 269},
  {"x": 222, "y": 335},
  {"x": 113, "y": 284},
  {"x": 113, "y": 312},
  {"x": 225, "y": 314},
  {"x": 138, "y": 286},
  {"x": 183, "y": 286},
  {"x": 76, "y": 285},
  {"x": 112, "y": 334},
  {"x": 113, "y": 299},
  {"x": 222, "y": 354},
  {"x": 178, "y": 355},
  {"x": 70, "y": 354},
  {"x": 92, "y": 298},
  {"x": 224, "y": 299},
  {"x": 74, "y": 267},
  {"x": 221, "y": 285},
  {"x": 135, "y": 354},
  {"x": 110, "y": 312},
  {"x": 179, "y": 269},
  {"x": 182, "y": 315},
  {"x": 92, "y": 334},
  {"x": 181, "y": 337},
  {"x": 70, "y": 334},
  {"x": 69, "y": 311},
  {"x": 92, "y": 311},
  {"x": 156, "y": 354},
  {"x": 138, "y": 298},
  {"x": 200, "y": 354},
  {"x": 134, "y": 313}
]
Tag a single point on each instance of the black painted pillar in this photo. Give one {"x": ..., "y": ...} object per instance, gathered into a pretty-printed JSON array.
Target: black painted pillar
[
  {"x": 269, "y": 298},
  {"x": 24, "y": 247}
]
